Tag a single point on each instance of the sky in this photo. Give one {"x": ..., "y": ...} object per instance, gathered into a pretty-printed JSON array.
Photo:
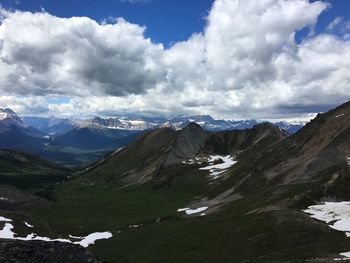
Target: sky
[{"x": 232, "y": 59}]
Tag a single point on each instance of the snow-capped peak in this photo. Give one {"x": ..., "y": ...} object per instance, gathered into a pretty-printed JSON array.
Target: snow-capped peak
[
  {"x": 9, "y": 117},
  {"x": 7, "y": 113}
]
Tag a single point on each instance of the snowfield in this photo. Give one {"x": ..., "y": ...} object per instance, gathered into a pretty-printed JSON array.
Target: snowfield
[
  {"x": 7, "y": 233},
  {"x": 337, "y": 214},
  {"x": 216, "y": 169}
]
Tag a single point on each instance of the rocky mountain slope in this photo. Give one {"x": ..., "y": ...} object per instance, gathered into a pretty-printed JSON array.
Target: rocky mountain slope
[
  {"x": 314, "y": 159},
  {"x": 165, "y": 147}
]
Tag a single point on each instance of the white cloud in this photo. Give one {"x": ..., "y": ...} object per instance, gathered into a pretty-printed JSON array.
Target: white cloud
[
  {"x": 340, "y": 26},
  {"x": 335, "y": 22},
  {"x": 245, "y": 63},
  {"x": 43, "y": 54}
]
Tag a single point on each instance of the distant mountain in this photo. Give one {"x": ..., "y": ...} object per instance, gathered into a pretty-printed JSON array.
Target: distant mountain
[
  {"x": 61, "y": 140},
  {"x": 210, "y": 124},
  {"x": 205, "y": 121},
  {"x": 50, "y": 126},
  {"x": 290, "y": 127},
  {"x": 94, "y": 137},
  {"x": 14, "y": 134},
  {"x": 130, "y": 123},
  {"x": 9, "y": 118}
]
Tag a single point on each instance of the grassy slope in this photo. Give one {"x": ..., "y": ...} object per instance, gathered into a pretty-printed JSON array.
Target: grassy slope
[
  {"x": 230, "y": 235},
  {"x": 26, "y": 170}
]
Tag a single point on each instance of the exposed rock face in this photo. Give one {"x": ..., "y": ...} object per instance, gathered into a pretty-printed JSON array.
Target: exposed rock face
[
  {"x": 110, "y": 122},
  {"x": 188, "y": 143},
  {"x": 312, "y": 164},
  {"x": 15, "y": 251},
  {"x": 232, "y": 142}
]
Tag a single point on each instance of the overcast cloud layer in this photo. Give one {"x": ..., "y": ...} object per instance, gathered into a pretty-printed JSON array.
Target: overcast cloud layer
[{"x": 245, "y": 64}]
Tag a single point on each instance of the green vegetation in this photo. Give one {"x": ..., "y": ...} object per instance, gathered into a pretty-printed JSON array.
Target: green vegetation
[
  {"x": 73, "y": 157},
  {"x": 233, "y": 234},
  {"x": 27, "y": 171}
]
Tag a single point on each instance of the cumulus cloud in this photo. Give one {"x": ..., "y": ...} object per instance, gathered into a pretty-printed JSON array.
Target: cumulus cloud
[
  {"x": 42, "y": 54},
  {"x": 245, "y": 64}
]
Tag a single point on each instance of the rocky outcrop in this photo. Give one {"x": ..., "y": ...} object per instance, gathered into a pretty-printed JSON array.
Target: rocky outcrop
[
  {"x": 233, "y": 142},
  {"x": 188, "y": 144},
  {"x": 15, "y": 251}
]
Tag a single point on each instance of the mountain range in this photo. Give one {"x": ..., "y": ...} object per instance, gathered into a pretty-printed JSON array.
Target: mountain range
[
  {"x": 54, "y": 126},
  {"x": 193, "y": 195},
  {"x": 81, "y": 142}
]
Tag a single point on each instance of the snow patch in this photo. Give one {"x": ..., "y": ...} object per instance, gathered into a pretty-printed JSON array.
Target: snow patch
[
  {"x": 4, "y": 199},
  {"x": 340, "y": 115},
  {"x": 345, "y": 254},
  {"x": 335, "y": 213},
  {"x": 7, "y": 233},
  {"x": 196, "y": 210},
  {"x": 189, "y": 161},
  {"x": 183, "y": 209},
  {"x": 28, "y": 225},
  {"x": 190, "y": 211},
  {"x": 134, "y": 226},
  {"x": 330, "y": 211},
  {"x": 90, "y": 239},
  {"x": 4, "y": 219},
  {"x": 216, "y": 169},
  {"x": 75, "y": 237}
]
